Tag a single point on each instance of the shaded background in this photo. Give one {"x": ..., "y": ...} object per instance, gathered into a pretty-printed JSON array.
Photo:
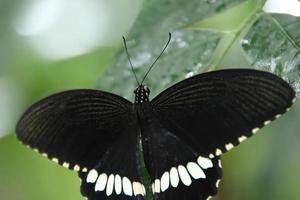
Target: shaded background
[{"x": 53, "y": 45}]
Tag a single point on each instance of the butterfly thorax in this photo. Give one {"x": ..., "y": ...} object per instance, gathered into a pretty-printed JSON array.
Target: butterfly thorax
[{"x": 141, "y": 94}]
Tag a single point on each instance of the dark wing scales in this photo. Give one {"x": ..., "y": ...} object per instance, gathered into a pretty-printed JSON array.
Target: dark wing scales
[
  {"x": 75, "y": 128},
  {"x": 176, "y": 168},
  {"x": 117, "y": 176},
  {"x": 200, "y": 189},
  {"x": 217, "y": 110}
]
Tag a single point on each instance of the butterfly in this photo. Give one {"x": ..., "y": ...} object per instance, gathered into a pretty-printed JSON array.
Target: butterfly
[{"x": 178, "y": 136}]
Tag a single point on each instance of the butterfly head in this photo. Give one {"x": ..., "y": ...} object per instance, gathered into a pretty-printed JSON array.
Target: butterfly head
[{"x": 141, "y": 94}]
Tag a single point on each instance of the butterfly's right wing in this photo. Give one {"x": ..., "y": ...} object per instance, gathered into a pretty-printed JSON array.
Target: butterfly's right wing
[
  {"x": 75, "y": 128},
  {"x": 117, "y": 176},
  {"x": 92, "y": 132}
]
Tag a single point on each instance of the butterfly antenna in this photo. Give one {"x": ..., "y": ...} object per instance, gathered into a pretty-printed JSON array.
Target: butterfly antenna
[
  {"x": 126, "y": 49},
  {"x": 152, "y": 65}
]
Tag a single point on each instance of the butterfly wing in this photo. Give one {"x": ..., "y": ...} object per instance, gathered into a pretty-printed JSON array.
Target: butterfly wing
[
  {"x": 75, "y": 128},
  {"x": 117, "y": 176},
  {"x": 188, "y": 126},
  {"x": 217, "y": 110},
  {"x": 175, "y": 167},
  {"x": 93, "y": 132}
]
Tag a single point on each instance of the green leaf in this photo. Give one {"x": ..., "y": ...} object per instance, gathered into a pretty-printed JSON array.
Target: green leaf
[
  {"x": 273, "y": 44},
  {"x": 233, "y": 24},
  {"x": 26, "y": 175},
  {"x": 227, "y": 21},
  {"x": 189, "y": 52}
]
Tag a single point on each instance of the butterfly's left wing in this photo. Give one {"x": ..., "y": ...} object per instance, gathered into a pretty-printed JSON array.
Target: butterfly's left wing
[
  {"x": 176, "y": 169},
  {"x": 217, "y": 110},
  {"x": 188, "y": 126}
]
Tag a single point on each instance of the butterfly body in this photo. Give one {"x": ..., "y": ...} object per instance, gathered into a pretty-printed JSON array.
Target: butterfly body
[
  {"x": 142, "y": 93},
  {"x": 178, "y": 136}
]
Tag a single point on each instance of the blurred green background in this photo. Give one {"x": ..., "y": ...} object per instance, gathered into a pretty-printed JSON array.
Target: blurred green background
[{"x": 53, "y": 45}]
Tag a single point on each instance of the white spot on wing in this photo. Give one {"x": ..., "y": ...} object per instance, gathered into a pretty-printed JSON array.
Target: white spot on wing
[
  {"x": 143, "y": 190},
  {"x": 218, "y": 152},
  {"x": 218, "y": 182},
  {"x": 127, "y": 188},
  {"x": 242, "y": 138},
  {"x": 137, "y": 188},
  {"x": 110, "y": 185},
  {"x": 294, "y": 100},
  {"x": 174, "y": 177},
  {"x": 205, "y": 163},
  {"x": 66, "y": 165},
  {"x": 84, "y": 169},
  {"x": 220, "y": 163},
  {"x": 267, "y": 122},
  {"x": 76, "y": 168},
  {"x": 92, "y": 176},
  {"x": 277, "y": 116},
  {"x": 118, "y": 184},
  {"x": 165, "y": 181},
  {"x": 157, "y": 186},
  {"x": 209, "y": 198},
  {"x": 229, "y": 146},
  {"x": 55, "y": 160},
  {"x": 255, "y": 130},
  {"x": 184, "y": 175},
  {"x": 101, "y": 182},
  {"x": 195, "y": 171}
]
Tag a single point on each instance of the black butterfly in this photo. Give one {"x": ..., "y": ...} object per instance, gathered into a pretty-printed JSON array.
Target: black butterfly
[{"x": 178, "y": 136}]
